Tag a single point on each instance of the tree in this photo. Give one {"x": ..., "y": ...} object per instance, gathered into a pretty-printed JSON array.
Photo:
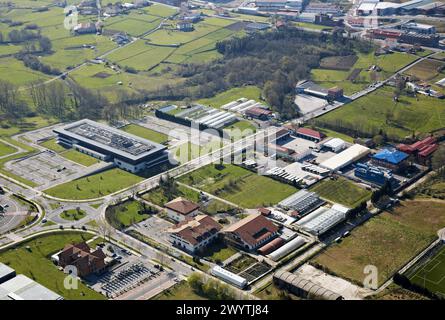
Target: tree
[{"x": 45, "y": 44}]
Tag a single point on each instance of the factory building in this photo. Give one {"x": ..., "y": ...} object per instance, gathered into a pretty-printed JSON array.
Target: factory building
[
  {"x": 20, "y": 287},
  {"x": 335, "y": 144},
  {"x": 391, "y": 159},
  {"x": 418, "y": 28},
  {"x": 421, "y": 150},
  {"x": 302, "y": 287},
  {"x": 345, "y": 158},
  {"x": 309, "y": 134},
  {"x": 127, "y": 151}
]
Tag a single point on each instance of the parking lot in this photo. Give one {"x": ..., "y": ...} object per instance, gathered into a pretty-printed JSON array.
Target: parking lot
[
  {"x": 40, "y": 134},
  {"x": 307, "y": 103},
  {"x": 45, "y": 168},
  {"x": 155, "y": 228}
]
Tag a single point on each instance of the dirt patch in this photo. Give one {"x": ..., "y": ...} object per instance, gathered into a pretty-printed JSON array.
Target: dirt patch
[
  {"x": 426, "y": 70},
  {"x": 354, "y": 74},
  {"x": 102, "y": 75},
  {"x": 238, "y": 26},
  {"x": 338, "y": 62}
]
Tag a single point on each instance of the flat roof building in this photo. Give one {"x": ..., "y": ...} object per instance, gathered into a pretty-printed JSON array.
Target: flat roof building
[
  {"x": 346, "y": 157},
  {"x": 23, "y": 288},
  {"x": 6, "y": 272},
  {"x": 127, "y": 151}
]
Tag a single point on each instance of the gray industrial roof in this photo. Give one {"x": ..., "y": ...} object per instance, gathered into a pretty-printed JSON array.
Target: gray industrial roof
[
  {"x": 5, "y": 270},
  {"x": 114, "y": 140},
  {"x": 23, "y": 288}
]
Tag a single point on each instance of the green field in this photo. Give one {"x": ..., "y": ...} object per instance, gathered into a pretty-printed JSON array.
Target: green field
[
  {"x": 94, "y": 186},
  {"x": 125, "y": 214},
  {"x": 73, "y": 214},
  {"x": 387, "y": 241},
  {"x": 238, "y": 185},
  {"x": 218, "y": 251},
  {"x": 430, "y": 274},
  {"x": 248, "y": 92},
  {"x": 145, "y": 133},
  {"x": 53, "y": 145},
  {"x": 377, "y": 111},
  {"x": 180, "y": 291},
  {"x": 79, "y": 157},
  {"x": 388, "y": 63},
  {"x": 341, "y": 191},
  {"x": 35, "y": 263},
  {"x": 6, "y": 149}
]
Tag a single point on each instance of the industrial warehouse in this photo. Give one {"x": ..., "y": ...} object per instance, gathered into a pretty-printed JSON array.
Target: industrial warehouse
[{"x": 125, "y": 150}]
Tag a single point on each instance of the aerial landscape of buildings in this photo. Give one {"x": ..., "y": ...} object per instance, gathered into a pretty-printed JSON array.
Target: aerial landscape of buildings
[{"x": 237, "y": 150}]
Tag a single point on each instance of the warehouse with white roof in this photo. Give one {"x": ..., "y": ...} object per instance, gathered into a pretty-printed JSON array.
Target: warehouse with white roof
[{"x": 346, "y": 157}]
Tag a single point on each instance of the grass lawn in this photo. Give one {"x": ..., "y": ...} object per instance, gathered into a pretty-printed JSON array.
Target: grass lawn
[
  {"x": 36, "y": 264},
  {"x": 73, "y": 215},
  {"x": 145, "y": 133},
  {"x": 387, "y": 241},
  {"x": 388, "y": 63},
  {"x": 157, "y": 196},
  {"x": 95, "y": 186},
  {"x": 335, "y": 134},
  {"x": 53, "y": 145},
  {"x": 6, "y": 149},
  {"x": 377, "y": 111},
  {"x": 125, "y": 214},
  {"x": 238, "y": 185},
  {"x": 79, "y": 157},
  {"x": 218, "y": 251},
  {"x": 342, "y": 191},
  {"x": 272, "y": 292},
  {"x": 180, "y": 291},
  {"x": 248, "y": 92}
]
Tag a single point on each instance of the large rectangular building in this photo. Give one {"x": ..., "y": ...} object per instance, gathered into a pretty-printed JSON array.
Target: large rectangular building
[
  {"x": 127, "y": 151},
  {"x": 345, "y": 158}
]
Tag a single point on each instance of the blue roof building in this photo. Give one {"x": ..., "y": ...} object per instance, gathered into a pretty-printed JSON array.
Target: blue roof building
[{"x": 390, "y": 158}]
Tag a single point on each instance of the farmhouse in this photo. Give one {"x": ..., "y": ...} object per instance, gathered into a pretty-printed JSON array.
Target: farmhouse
[
  {"x": 391, "y": 159},
  {"x": 180, "y": 209},
  {"x": 89, "y": 27},
  {"x": 127, "y": 151},
  {"x": 83, "y": 258},
  {"x": 251, "y": 232},
  {"x": 194, "y": 233}
]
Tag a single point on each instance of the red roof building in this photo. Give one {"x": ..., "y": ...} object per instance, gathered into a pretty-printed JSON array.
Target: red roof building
[
  {"x": 423, "y": 149},
  {"x": 258, "y": 113},
  {"x": 194, "y": 234},
  {"x": 80, "y": 256},
  {"x": 251, "y": 232},
  {"x": 310, "y": 134},
  {"x": 180, "y": 208}
]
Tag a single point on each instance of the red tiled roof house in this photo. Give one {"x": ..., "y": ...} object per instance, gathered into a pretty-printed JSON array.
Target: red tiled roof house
[
  {"x": 179, "y": 209},
  {"x": 83, "y": 258},
  {"x": 194, "y": 233},
  {"x": 251, "y": 232}
]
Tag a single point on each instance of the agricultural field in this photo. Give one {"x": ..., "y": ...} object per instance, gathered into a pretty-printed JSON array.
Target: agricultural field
[
  {"x": 354, "y": 76},
  {"x": 94, "y": 186},
  {"x": 341, "y": 191},
  {"x": 248, "y": 92},
  {"x": 426, "y": 70},
  {"x": 401, "y": 233},
  {"x": 378, "y": 111},
  {"x": 145, "y": 133},
  {"x": 430, "y": 273},
  {"x": 34, "y": 262},
  {"x": 238, "y": 185}
]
